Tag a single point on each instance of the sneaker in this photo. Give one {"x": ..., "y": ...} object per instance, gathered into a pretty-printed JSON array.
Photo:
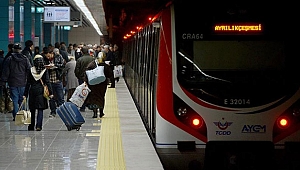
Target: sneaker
[{"x": 38, "y": 129}]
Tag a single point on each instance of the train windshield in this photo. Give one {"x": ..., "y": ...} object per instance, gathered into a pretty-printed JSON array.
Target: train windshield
[{"x": 234, "y": 51}]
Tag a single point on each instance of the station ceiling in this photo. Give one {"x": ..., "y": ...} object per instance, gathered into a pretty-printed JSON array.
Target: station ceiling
[{"x": 121, "y": 15}]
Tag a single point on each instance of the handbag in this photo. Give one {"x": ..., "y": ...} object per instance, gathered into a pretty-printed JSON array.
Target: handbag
[
  {"x": 23, "y": 116},
  {"x": 9, "y": 105},
  {"x": 118, "y": 71},
  {"x": 2, "y": 105},
  {"x": 80, "y": 94},
  {"x": 96, "y": 75},
  {"x": 46, "y": 90}
]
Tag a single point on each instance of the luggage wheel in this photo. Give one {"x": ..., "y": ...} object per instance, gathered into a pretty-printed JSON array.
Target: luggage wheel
[
  {"x": 78, "y": 128},
  {"x": 69, "y": 127}
]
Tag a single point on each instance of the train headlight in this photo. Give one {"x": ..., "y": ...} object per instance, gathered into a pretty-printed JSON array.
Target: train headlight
[
  {"x": 283, "y": 122},
  {"x": 182, "y": 111},
  {"x": 197, "y": 122}
]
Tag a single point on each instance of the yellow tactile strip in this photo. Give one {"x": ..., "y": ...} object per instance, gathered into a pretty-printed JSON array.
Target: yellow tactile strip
[{"x": 110, "y": 150}]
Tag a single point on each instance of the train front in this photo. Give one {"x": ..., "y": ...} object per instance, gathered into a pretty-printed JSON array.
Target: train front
[{"x": 235, "y": 85}]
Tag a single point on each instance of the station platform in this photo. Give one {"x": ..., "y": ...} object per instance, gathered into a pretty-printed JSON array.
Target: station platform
[{"x": 116, "y": 141}]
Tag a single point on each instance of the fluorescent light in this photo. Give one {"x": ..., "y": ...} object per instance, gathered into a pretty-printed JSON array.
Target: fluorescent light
[{"x": 88, "y": 15}]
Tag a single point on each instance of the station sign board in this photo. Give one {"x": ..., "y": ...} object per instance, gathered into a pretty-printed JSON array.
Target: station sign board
[{"x": 57, "y": 14}]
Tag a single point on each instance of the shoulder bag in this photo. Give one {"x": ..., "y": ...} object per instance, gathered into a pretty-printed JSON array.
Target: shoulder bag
[{"x": 46, "y": 90}]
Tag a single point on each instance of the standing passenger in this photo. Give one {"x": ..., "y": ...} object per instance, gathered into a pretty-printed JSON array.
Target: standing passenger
[
  {"x": 112, "y": 62},
  {"x": 96, "y": 98},
  {"x": 2, "y": 84},
  {"x": 55, "y": 64},
  {"x": 5, "y": 86},
  {"x": 72, "y": 81},
  {"x": 15, "y": 71},
  {"x": 80, "y": 68},
  {"x": 27, "y": 51},
  {"x": 34, "y": 91},
  {"x": 118, "y": 57}
]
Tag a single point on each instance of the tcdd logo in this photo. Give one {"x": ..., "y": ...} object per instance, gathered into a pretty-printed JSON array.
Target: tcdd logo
[{"x": 223, "y": 125}]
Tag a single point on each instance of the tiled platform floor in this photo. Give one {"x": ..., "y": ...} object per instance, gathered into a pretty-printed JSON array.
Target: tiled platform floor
[{"x": 94, "y": 146}]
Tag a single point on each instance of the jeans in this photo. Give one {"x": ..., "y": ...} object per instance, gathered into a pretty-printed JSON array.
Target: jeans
[
  {"x": 16, "y": 94},
  {"x": 39, "y": 118},
  {"x": 58, "y": 99}
]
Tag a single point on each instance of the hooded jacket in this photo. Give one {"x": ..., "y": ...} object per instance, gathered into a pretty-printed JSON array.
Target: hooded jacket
[{"x": 15, "y": 70}]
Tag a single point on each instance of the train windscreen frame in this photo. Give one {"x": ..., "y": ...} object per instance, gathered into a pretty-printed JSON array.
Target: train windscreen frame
[{"x": 235, "y": 50}]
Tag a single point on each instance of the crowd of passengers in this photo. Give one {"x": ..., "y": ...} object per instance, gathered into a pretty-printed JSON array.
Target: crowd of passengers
[{"x": 61, "y": 68}]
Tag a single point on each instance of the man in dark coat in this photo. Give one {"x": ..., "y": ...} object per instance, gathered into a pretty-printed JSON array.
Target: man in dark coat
[
  {"x": 27, "y": 51},
  {"x": 62, "y": 51},
  {"x": 15, "y": 70},
  {"x": 80, "y": 67},
  {"x": 112, "y": 62}
]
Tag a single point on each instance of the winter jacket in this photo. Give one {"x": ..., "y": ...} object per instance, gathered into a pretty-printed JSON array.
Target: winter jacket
[
  {"x": 97, "y": 94},
  {"x": 81, "y": 65},
  {"x": 28, "y": 53},
  {"x": 15, "y": 70},
  {"x": 35, "y": 90},
  {"x": 59, "y": 62}
]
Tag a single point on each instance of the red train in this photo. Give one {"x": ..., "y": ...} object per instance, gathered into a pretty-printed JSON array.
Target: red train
[{"x": 217, "y": 84}]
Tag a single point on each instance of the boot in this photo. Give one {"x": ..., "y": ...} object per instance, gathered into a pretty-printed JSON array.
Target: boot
[
  {"x": 95, "y": 113},
  {"x": 101, "y": 112}
]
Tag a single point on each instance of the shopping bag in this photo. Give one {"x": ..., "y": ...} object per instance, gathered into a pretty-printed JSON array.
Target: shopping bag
[
  {"x": 118, "y": 71},
  {"x": 80, "y": 94},
  {"x": 23, "y": 116},
  {"x": 96, "y": 75}
]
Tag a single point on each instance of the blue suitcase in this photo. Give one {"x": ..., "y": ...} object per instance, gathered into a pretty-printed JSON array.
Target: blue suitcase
[{"x": 70, "y": 115}]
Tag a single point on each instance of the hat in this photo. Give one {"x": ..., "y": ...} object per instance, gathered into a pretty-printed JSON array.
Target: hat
[{"x": 17, "y": 46}]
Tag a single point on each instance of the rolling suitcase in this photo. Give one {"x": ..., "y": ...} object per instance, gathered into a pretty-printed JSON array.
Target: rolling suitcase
[{"x": 70, "y": 115}]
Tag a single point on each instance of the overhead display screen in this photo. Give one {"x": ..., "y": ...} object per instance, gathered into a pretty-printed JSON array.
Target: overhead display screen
[
  {"x": 238, "y": 28},
  {"x": 57, "y": 14}
]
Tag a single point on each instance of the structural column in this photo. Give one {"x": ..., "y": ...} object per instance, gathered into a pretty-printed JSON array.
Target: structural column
[
  {"x": 48, "y": 34},
  {"x": 17, "y": 23},
  {"x": 38, "y": 28},
  {"x": 4, "y": 26},
  {"x": 65, "y": 37},
  {"x": 27, "y": 21}
]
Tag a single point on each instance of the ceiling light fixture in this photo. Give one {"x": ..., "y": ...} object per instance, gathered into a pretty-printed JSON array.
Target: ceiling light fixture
[{"x": 88, "y": 15}]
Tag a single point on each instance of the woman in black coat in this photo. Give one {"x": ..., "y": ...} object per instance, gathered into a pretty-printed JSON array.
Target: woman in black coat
[
  {"x": 96, "y": 98},
  {"x": 35, "y": 91}
]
